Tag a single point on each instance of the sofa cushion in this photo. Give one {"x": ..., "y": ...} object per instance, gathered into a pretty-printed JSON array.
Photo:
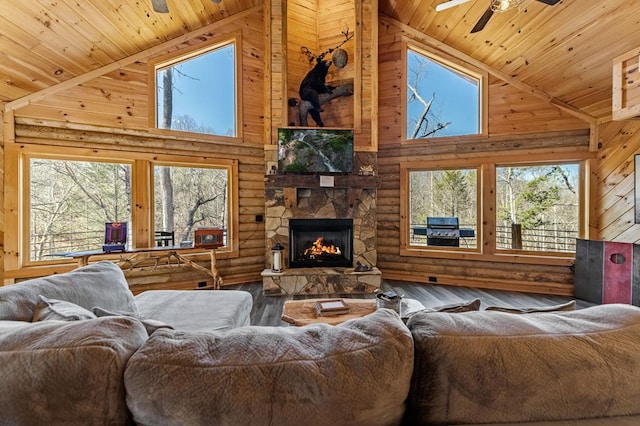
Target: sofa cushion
[
  {"x": 53, "y": 309},
  {"x": 204, "y": 310},
  {"x": 66, "y": 373},
  {"x": 497, "y": 367},
  {"x": 98, "y": 284},
  {"x": 356, "y": 373}
]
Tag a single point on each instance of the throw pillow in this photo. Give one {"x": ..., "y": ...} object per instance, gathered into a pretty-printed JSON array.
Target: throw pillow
[
  {"x": 568, "y": 306},
  {"x": 53, "y": 309},
  {"x": 150, "y": 324}
]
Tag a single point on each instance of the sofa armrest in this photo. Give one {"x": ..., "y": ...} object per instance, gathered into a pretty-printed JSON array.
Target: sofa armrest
[{"x": 58, "y": 372}]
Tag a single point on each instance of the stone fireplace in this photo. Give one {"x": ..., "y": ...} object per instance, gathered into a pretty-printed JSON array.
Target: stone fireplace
[{"x": 343, "y": 215}]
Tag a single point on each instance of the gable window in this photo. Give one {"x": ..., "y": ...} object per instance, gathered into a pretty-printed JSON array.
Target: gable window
[
  {"x": 197, "y": 91},
  {"x": 444, "y": 98}
]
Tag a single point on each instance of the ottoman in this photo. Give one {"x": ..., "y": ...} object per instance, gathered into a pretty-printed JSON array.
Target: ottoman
[{"x": 188, "y": 310}]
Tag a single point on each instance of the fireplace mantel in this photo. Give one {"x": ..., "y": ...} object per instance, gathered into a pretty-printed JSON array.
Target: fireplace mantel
[{"x": 313, "y": 181}]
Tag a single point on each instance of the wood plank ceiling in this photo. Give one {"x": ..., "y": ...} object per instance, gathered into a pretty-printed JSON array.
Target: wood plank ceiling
[{"x": 565, "y": 51}]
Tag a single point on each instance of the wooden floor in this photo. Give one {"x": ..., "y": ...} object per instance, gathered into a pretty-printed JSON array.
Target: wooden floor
[{"x": 268, "y": 309}]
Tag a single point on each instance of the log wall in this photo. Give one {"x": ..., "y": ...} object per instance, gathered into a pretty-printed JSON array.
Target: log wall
[
  {"x": 488, "y": 272},
  {"x": 110, "y": 113}
]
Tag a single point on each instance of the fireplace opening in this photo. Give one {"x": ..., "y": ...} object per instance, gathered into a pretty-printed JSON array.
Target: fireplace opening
[{"x": 320, "y": 242}]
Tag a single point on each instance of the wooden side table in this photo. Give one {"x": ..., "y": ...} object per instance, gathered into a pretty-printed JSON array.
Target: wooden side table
[{"x": 303, "y": 312}]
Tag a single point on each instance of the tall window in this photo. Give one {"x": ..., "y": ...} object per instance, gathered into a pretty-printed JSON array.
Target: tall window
[
  {"x": 197, "y": 92},
  {"x": 538, "y": 207},
  {"x": 187, "y": 198},
  {"x": 443, "y": 194},
  {"x": 442, "y": 98},
  {"x": 70, "y": 201}
]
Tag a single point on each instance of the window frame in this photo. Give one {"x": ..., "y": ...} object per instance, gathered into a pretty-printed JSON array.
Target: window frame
[
  {"x": 487, "y": 201},
  {"x": 17, "y": 220},
  {"x": 456, "y": 65},
  {"x": 25, "y": 205},
  {"x": 581, "y": 215},
  {"x": 163, "y": 61}
]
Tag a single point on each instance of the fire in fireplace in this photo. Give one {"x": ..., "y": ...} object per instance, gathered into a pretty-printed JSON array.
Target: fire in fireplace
[{"x": 320, "y": 242}]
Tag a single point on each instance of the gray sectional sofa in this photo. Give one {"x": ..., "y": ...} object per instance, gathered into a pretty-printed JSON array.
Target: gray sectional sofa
[{"x": 80, "y": 349}]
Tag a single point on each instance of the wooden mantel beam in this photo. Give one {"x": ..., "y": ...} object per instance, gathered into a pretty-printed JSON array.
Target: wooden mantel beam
[{"x": 114, "y": 66}]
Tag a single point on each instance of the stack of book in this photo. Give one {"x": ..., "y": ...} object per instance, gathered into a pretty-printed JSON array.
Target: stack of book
[{"x": 329, "y": 307}]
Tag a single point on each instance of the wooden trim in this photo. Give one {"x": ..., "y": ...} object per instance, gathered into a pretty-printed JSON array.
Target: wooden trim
[
  {"x": 488, "y": 202},
  {"x": 591, "y": 212},
  {"x": 415, "y": 34},
  {"x": 140, "y": 56},
  {"x": 375, "y": 78},
  {"x": 358, "y": 87},
  {"x": 268, "y": 72},
  {"x": 12, "y": 188},
  {"x": 141, "y": 202}
]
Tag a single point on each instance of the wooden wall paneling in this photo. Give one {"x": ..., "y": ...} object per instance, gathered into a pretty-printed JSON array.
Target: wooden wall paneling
[
  {"x": 278, "y": 61},
  {"x": 615, "y": 184},
  {"x": 302, "y": 31},
  {"x": 142, "y": 205},
  {"x": 4, "y": 128}
]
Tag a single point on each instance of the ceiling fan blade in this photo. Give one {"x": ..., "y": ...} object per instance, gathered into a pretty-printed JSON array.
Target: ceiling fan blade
[
  {"x": 160, "y": 6},
  {"x": 449, "y": 4},
  {"x": 549, "y": 2},
  {"x": 483, "y": 20}
]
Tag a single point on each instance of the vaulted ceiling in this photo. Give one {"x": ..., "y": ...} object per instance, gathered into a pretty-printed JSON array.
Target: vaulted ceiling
[{"x": 564, "y": 51}]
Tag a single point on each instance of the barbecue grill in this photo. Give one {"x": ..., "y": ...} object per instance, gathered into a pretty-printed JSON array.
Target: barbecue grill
[{"x": 443, "y": 231}]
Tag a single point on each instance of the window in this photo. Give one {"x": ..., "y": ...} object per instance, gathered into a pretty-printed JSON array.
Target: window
[
  {"x": 187, "y": 198},
  {"x": 66, "y": 200},
  {"x": 443, "y": 98},
  {"x": 538, "y": 207},
  {"x": 525, "y": 208},
  {"x": 70, "y": 201},
  {"x": 197, "y": 92},
  {"x": 443, "y": 194}
]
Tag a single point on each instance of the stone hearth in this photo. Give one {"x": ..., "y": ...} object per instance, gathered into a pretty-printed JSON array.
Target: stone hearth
[{"x": 338, "y": 281}]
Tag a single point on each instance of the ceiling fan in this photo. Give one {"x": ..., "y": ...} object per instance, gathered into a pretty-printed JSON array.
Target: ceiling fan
[
  {"x": 160, "y": 6},
  {"x": 495, "y": 6}
]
